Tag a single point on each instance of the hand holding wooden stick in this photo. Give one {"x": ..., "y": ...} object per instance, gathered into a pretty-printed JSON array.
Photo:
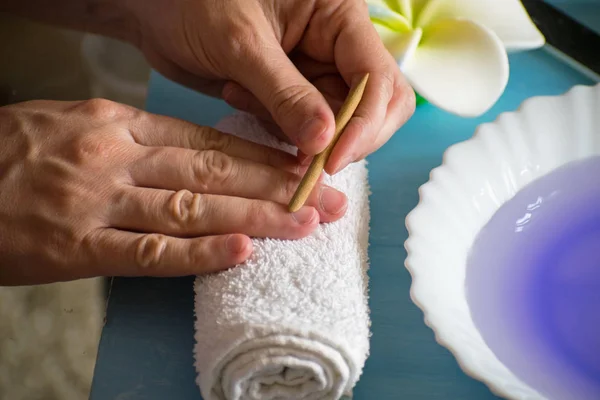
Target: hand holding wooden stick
[{"x": 320, "y": 160}]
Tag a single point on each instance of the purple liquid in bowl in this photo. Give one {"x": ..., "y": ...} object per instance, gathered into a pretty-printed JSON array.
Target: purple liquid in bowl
[{"x": 533, "y": 283}]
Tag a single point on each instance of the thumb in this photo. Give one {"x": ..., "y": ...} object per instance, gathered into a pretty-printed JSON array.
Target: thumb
[{"x": 297, "y": 107}]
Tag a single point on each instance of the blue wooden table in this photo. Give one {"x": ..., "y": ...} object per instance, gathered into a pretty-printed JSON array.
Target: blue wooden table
[{"x": 146, "y": 346}]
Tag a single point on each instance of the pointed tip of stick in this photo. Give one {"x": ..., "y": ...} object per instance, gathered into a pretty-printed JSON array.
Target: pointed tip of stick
[{"x": 318, "y": 163}]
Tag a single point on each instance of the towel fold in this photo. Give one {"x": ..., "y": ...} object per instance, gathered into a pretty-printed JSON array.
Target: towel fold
[{"x": 293, "y": 321}]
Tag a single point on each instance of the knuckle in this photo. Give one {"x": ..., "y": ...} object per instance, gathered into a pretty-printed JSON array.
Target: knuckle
[
  {"x": 215, "y": 140},
  {"x": 197, "y": 254},
  {"x": 150, "y": 251},
  {"x": 185, "y": 207},
  {"x": 101, "y": 109},
  {"x": 213, "y": 168},
  {"x": 285, "y": 100}
]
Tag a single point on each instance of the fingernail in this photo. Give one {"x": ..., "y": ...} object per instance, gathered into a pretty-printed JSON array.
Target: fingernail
[
  {"x": 236, "y": 244},
  {"x": 311, "y": 130},
  {"x": 305, "y": 216},
  {"x": 332, "y": 201}
]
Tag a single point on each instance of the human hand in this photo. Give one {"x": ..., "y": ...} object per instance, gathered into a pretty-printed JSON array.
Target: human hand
[
  {"x": 288, "y": 62},
  {"x": 95, "y": 188}
]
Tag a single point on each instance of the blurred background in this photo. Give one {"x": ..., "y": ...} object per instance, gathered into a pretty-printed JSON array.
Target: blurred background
[{"x": 49, "y": 334}]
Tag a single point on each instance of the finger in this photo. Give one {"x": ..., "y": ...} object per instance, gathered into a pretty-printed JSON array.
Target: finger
[
  {"x": 364, "y": 126},
  {"x": 238, "y": 97},
  {"x": 122, "y": 253},
  {"x": 186, "y": 214},
  {"x": 363, "y": 135},
  {"x": 155, "y": 130},
  {"x": 331, "y": 86},
  {"x": 212, "y": 172},
  {"x": 392, "y": 121},
  {"x": 293, "y": 102},
  {"x": 358, "y": 50}
]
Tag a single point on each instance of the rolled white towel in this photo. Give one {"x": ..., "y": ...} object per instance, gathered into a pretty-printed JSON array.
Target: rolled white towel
[{"x": 293, "y": 321}]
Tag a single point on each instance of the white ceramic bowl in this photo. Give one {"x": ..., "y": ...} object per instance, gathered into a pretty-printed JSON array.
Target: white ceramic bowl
[{"x": 476, "y": 177}]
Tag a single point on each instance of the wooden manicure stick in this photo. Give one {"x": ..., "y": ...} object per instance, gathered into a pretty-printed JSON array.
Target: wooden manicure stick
[{"x": 318, "y": 163}]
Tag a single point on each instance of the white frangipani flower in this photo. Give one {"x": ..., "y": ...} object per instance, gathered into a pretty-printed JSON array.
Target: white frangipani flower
[{"x": 454, "y": 52}]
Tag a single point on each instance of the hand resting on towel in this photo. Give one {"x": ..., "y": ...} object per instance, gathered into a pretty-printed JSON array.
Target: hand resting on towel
[{"x": 97, "y": 188}]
